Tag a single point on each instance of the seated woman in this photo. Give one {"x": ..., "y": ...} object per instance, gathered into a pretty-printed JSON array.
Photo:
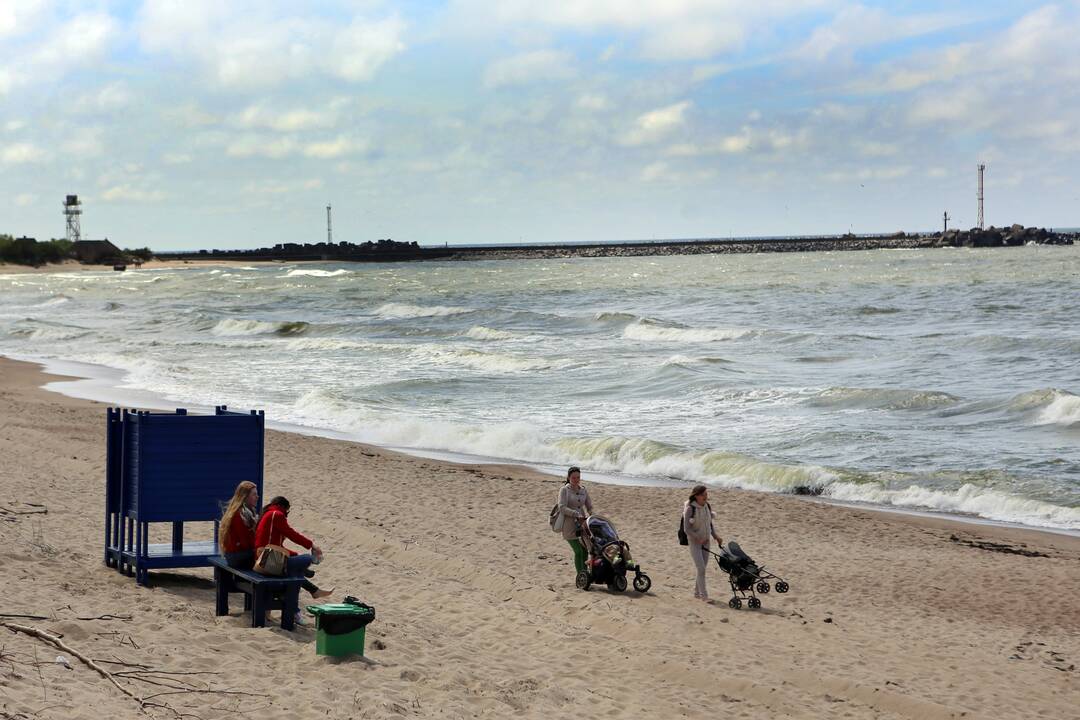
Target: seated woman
[
  {"x": 236, "y": 536},
  {"x": 273, "y": 528}
]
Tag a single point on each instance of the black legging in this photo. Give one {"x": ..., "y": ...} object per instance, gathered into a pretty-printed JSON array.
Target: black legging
[{"x": 245, "y": 560}]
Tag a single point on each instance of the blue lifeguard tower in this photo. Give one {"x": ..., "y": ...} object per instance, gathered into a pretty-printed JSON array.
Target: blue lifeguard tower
[{"x": 175, "y": 468}]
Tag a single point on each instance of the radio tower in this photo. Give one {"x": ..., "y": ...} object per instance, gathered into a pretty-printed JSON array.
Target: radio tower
[
  {"x": 982, "y": 169},
  {"x": 329, "y": 231},
  {"x": 72, "y": 212}
]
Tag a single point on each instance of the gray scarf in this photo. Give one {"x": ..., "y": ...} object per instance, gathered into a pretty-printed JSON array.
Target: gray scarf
[{"x": 249, "y": 516}]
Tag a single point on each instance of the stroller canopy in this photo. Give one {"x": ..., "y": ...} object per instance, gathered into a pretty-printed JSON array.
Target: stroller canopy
[{"x": 601, "y": 529}]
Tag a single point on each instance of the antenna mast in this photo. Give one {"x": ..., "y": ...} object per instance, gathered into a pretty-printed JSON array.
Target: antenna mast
[
  {"x": 329, "y": 231},
  {"x": 982, "y": 169}
]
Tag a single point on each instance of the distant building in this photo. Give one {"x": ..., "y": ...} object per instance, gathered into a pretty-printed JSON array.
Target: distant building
[{"x": 95, "y": 252}]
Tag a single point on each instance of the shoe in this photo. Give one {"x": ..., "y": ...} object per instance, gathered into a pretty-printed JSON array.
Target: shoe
[
  {"x": 318, "y": 594},
  {"x": 299, "y": 619}
]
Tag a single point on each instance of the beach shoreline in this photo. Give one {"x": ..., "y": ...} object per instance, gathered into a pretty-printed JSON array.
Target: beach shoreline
[
  {"x": 890, "y": 616},
  {"x": 84, "y": 381}
]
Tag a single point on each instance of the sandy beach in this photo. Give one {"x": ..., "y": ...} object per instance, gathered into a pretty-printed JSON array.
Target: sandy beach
[{"x": 889, "y": 616}]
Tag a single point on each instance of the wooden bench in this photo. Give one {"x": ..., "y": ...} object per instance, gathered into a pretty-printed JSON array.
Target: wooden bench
[{"x": 261, "y": 593}]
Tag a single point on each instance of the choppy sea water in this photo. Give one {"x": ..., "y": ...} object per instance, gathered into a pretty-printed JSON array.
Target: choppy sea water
[{"x": 939, "y": 379}]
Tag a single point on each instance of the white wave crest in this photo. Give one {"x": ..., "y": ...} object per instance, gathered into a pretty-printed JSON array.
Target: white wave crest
[
  {"x": 485, "y": 361},
  {"x": 310, "y": 272},
  {"x": 404, "y": 311},
  {"x": 649, "y": 332},
  {"x": 882, "y": 398},
  {"x": 232, "y": 327},
  {"x": 694, "y": 360},
  {"x": 55, "y": 300},
  {"x": 1064, "y": 409},
  {"x": 970, "y": 499},
  {"x": 479, "y": 332}
]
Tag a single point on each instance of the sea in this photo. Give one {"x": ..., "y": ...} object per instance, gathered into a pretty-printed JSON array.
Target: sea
[{"x": 937, "y": 380}]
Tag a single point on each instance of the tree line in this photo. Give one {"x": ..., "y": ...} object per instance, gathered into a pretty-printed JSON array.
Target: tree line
[{"x": 28, "y": 251}]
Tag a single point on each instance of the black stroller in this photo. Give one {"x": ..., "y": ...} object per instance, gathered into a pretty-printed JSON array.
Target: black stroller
[
  {"x": 745, "y": 576},
  {"x": 609, "y": 558}
]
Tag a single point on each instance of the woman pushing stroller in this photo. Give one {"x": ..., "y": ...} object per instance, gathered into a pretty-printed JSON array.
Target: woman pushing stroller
[
  {"x": 574, "y": 506},
  {"x": 698, "y": 524}
]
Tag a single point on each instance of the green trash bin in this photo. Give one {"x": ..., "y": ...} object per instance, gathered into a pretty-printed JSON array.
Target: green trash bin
[{"x": 340, "y": 627}]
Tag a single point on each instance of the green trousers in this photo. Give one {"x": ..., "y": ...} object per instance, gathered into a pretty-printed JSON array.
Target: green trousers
[{"x": 579, "y": 554}]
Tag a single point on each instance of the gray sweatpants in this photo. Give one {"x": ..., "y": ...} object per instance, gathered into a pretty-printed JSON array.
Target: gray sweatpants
[{"x": 700, "y": 554}]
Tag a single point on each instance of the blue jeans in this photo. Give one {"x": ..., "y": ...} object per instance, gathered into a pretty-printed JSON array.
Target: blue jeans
[{"x": 296, "y": 566}]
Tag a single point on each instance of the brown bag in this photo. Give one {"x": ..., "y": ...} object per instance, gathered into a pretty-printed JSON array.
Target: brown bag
[{"x": 271, "y": 559}]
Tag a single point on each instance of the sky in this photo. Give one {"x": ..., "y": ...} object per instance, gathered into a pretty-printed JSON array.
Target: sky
[{"x": 187, "y": 124}]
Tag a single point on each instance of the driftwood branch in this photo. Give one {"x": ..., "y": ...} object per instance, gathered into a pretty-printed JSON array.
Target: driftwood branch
[{"x": 57, "y": 642}]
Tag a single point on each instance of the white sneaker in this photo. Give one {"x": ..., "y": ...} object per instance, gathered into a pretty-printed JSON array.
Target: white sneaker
[{"x": 299, "y": 619}]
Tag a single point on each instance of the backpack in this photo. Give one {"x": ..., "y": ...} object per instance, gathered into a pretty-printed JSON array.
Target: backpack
[{"x": 683, "y": 539}]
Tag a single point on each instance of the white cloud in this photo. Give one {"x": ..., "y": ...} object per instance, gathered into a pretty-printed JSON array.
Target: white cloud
[
  {"x": 593, "y": 102},
  {"x": 334, "y": 148},
  {"x": 176, "y": 158},
  {"x": 259, "y": 116},
  {"x": 83, "y": 142},
  {"x": 113, "y": 96},
  {"x": 858, "y": 26},
  {"x": 667, "y": 29},
  {"x": 692, "y": 41},
  {"x": 25, "y": 199},
  {"x": 653, "y": 126},
  {"x": 281, "y": 187},
  {"x": 22, "y": 154},
  {"x": 246, "y": 45},
  {"x": 78, "y": 42},
  {"x": 18, "y": 17},
  {"x": 128, "y": 193},
  {"x": 261, "y": 146},
  {"x": 530, "y": 67}
]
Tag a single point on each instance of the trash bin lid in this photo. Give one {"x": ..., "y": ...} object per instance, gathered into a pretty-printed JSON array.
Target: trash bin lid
[{"x": 340, "y": 609}]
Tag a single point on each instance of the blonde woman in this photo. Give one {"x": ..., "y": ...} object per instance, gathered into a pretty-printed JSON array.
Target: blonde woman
[{"x": 236, "y": 534}]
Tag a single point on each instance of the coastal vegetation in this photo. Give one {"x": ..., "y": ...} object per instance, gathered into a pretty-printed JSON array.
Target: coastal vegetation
[{"x": 29, "y": 251}]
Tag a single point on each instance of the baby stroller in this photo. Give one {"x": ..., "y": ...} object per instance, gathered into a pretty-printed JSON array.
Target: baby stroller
[
  {"x": 609, "y": 558},
  {"x": 745, "y": 576}
]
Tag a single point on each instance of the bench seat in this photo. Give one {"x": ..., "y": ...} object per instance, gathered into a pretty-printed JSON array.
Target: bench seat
[{"x": 261, "y": 593}]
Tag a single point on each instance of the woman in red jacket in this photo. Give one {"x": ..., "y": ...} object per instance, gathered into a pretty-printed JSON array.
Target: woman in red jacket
[
  {"x": 236, "y": 534},
  {"x": 274, "y": 528}
]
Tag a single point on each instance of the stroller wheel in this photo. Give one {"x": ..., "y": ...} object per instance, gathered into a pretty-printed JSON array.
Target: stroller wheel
[
  {"x": 754, "y": 603},
  {"x": 763, "y": 587},
  {"x": 781, "y": 586},
  {"x": 642, "y": 583},
  {"x": 583, "y": 581},
  {"x": 619, "y": 583},
  {"x": 734, "y": 603}
]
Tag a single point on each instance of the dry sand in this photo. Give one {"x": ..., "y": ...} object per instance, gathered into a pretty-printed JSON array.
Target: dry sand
[{"x": 889, "y": 616}]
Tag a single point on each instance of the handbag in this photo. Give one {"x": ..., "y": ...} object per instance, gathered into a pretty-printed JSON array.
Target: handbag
[
  {"x": 557, "y": 519},
  {"x": 271, "y": 559}
]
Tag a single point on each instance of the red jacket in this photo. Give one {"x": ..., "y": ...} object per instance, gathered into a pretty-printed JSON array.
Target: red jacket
[
  {"x": 274, "y": 528},
  {"x": 241, "y": 537}
]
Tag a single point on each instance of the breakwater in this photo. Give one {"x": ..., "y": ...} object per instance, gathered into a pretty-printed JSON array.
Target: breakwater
[{"x": 390, "y": 251}]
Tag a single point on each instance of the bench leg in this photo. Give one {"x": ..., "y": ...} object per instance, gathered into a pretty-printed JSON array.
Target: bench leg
[
  {"x": 258, "y": 607},
  {"x": 221, "y": 587},
  {"x": 247, "y": 602},
  {"x": 290, "y": 604}
]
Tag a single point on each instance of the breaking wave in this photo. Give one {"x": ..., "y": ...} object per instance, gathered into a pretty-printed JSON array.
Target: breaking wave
[
  {"x": 231, "y": 327},
  {"x": 310, "y": 272},
  {"x": 479, "y": 332},
  {"x": 402, "y": 310},
  {"x": 881, "y": 398},
  {"x": 652, "y": 332}
]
